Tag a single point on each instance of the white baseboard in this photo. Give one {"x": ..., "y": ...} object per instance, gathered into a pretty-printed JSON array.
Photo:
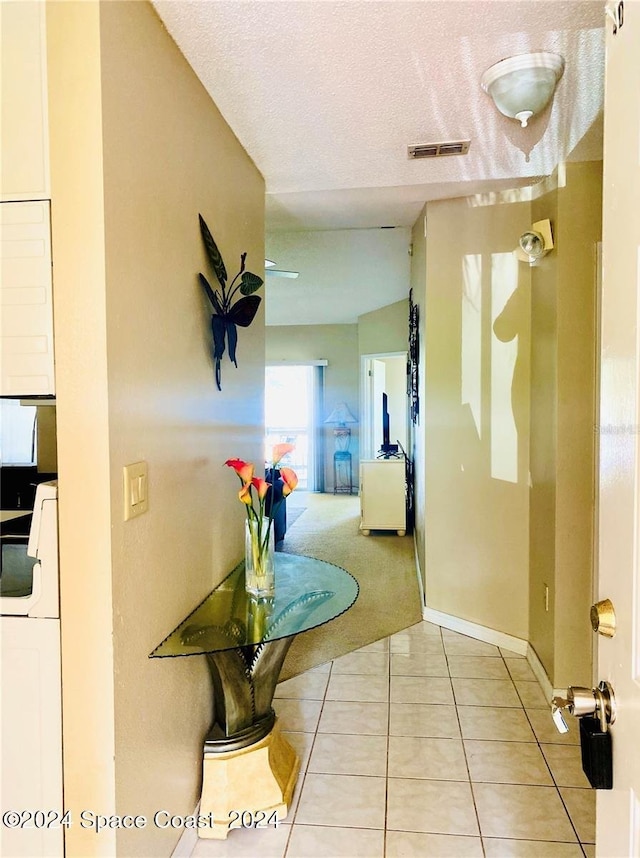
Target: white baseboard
[
  {"x": 483, "y": 633},
  {"x": 541, "y": 674},
  {"x": 474, "y": 630},
  {"x": 418, "y": 570}
]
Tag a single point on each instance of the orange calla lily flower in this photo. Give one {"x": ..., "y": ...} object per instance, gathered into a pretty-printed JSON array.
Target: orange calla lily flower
[
  {"x": 245, "y": 494},
  {"x": 279, "y": 452},
  {"x": 262, "y": 486},
  {"x": 236, "y": 464},
  {"x": 243, "y": 469},
  {"x": 290, "y": 480},
  {"x": 259, "y": 518}
]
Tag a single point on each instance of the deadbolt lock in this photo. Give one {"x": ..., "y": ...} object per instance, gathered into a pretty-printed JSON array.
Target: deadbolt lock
[{"x": 603, "y": 618}]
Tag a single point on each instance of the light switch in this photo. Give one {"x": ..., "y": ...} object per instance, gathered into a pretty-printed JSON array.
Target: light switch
[{"x": 136, "y": 492}]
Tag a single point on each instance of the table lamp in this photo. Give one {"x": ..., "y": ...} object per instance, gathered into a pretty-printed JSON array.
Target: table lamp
[{"x": 340, "y": 417}]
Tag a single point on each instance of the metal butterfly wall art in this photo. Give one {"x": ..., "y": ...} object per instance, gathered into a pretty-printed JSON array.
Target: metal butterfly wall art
[{"x": 227, "y": 315}]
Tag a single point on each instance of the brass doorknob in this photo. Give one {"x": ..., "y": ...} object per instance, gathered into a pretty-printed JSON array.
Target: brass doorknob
[{"x": 603, "y": 618}]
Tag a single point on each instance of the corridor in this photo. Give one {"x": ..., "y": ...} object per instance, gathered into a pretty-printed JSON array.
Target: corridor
[{"x": 428, "y": 744}]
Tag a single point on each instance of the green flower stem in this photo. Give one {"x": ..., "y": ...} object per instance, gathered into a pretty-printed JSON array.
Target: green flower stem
[{"x": 260, "y": 539}]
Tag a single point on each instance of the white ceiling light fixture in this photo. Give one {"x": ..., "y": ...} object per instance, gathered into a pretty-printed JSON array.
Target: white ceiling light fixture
[
  {"x": 523, "y": 85},
  {"x": 535, "y": 242}
]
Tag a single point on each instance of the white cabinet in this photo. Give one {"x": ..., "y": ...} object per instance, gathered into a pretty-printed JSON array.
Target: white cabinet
[
  {"x": 26, "y": 326},
  {"x": 26, "y": 323},
  {"x": 31, "y": 732},
  {"x": 24, "y": 137},
  {"x": 383, "y": 496}
]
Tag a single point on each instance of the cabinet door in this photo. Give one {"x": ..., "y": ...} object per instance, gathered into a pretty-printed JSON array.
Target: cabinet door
[
  {"x": 31, "y": 733},
  {"x": 383, "y": 495},
  {"x": 26, "y": 325},
  {"x": 24, "y": 138}
]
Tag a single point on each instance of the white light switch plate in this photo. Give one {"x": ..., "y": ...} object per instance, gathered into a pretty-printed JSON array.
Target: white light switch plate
[{"x": 136, "y": 490}]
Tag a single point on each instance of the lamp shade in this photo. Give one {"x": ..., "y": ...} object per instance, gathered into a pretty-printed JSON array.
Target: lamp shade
[
  {"x": 522, "y": 86},
  {"x": 341, "y": 415}
]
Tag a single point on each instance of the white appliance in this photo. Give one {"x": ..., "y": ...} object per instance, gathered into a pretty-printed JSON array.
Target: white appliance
[{"x": 30, "y": 682}]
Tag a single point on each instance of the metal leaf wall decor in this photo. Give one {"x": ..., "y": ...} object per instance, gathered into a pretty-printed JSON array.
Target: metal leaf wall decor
[
  {"x": 227, "y": 314},
  {"x": 413, "y": 359}
]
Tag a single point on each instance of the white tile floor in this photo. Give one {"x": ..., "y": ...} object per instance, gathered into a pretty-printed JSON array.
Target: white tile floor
[{"x": 426, "y": 744}]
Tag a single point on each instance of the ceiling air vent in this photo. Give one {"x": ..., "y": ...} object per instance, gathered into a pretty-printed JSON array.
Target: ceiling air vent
[{"x": 437, "y": 150}]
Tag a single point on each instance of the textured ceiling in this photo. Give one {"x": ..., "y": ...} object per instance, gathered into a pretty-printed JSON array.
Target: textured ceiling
[{"x": 326, "y": 96}]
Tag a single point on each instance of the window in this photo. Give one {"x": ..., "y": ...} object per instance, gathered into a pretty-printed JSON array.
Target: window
[
  {"x": 291, "y": 404},
  {"x": 17, "y": 433}
]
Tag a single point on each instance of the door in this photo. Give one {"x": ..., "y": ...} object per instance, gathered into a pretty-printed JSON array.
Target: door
[
  {"x": 383, "y": 373},
  {"x": 31, "y": 737},
  {"x": 378, "y": 383},
  {"x": 618, "y": 810}
]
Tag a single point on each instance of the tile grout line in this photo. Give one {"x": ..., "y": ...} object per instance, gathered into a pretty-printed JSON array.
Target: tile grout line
[
  {"x": 306, "y": 770},
  {"x": 427, "y": 655},
  {"x": 537, "y": 742},
  {"x": 464, "y": 749},
  {"x": 539, "y": 745},
  {"x": 555, "y": 784}
]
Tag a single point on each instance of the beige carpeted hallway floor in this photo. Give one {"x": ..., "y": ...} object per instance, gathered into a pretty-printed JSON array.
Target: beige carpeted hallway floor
[{"x": 383, "y": 564}]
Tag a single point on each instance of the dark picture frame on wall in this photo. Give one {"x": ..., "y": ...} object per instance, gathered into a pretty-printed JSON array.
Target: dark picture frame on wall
[{"x": 412, "y": 361}]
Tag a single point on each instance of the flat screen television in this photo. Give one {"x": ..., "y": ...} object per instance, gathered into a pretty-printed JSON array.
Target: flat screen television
[
  {"x": 387, "y": 449},
  {"x": 385, "y": 420}
]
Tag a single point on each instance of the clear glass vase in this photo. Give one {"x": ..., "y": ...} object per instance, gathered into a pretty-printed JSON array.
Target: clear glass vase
[{"x": 259, "y": 564}]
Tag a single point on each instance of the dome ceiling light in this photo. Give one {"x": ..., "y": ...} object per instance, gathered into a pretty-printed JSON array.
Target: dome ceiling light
[{"x": 523, "y": 85}]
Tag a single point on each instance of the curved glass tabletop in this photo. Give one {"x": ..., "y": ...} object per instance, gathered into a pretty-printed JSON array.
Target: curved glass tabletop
[{"x": 308, "y": 593}]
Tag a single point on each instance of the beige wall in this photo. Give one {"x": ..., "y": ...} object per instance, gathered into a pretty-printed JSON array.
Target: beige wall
[
  {"x": 47, "y": 442},
  {"x": 562, "y": 426},
  {"x": 384, "y": 330},
  {"x": 339, "y": 345},
  {"x": 543, "y": 450},
  {"x": 519, "y": 540},
  {"x": 138, "y": 150},
  {"x": 474, "y": 413}
]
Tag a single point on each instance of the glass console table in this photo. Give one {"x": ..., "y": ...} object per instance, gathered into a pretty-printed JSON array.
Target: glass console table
[{"x": 248, "y": 765}]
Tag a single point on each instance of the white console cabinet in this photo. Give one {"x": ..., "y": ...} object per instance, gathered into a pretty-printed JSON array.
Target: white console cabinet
[{"x": 383, "y": 496}]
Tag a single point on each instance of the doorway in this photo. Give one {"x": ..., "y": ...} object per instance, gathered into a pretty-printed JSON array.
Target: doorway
[
  {"x": 383, "y": 374},
  {"x": 293, "y": 403}
]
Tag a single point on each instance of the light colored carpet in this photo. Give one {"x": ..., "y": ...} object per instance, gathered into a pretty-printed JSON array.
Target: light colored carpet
[
  {"x": 383, "y": 564},
  {"x": 293, "y": 514}
]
